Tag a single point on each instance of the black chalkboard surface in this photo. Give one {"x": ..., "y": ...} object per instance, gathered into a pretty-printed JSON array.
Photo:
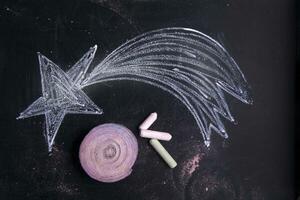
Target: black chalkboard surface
[{"x": 255, "y": 162}]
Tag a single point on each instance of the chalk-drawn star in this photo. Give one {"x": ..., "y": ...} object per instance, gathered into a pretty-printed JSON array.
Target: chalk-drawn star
[
  {"x": 62, "y": 94},
  {"x": 186, "y": 63}
]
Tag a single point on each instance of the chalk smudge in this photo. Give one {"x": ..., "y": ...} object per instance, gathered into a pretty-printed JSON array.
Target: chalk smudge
[
  {"x": 191, "y": 165},
  {"x": 52, "y": 176},
  {"x": 190, "y": 160}
]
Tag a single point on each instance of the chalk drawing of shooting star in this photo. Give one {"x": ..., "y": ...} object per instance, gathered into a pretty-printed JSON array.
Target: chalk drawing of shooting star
[{"x": 186, "y": 63}]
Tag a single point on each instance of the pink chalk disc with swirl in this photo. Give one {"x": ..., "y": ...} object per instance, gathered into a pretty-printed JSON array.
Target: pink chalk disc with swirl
[{"x": 108, "y": 152}]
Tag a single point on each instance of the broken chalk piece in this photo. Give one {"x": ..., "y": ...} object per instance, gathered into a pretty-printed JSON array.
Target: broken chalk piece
[
  {"x": 163, "y": 153},
  {"x": 155, "y": 135},
  {"x": 148, "y": 121}
]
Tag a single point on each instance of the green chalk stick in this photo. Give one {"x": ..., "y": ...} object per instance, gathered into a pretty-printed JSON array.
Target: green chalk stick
[{"x": 163, "y": 153}]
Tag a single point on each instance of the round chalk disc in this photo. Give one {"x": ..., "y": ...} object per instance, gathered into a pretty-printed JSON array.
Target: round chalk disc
[{"x": 108, "y": 152}]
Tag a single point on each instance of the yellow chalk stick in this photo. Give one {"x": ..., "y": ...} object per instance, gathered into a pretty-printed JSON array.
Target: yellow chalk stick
[{"x": 163, "y": 153}]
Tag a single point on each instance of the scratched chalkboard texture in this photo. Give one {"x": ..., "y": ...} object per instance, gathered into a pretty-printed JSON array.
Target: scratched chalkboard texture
[{"x": 255, "y": 163}]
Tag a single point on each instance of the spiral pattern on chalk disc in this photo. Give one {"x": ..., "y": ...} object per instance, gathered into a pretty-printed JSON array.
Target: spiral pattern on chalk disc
[{"x": 108, "y": 152}]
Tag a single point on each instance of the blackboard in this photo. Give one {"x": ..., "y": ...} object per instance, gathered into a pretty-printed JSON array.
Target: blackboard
[{"x": 256, "y": 162}]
